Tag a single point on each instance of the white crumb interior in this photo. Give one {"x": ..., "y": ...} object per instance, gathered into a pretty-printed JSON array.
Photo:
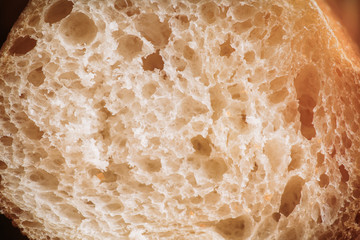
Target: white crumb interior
[{"x": 170, "y": 120}]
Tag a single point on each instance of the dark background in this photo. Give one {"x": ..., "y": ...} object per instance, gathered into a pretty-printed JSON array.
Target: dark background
[
  {"x": 348, "y": 12},
  {"x": 9, "y": 12}
]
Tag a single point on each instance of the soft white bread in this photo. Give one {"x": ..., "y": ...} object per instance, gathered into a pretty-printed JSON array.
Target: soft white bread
[{"x": 180, "y": 120}]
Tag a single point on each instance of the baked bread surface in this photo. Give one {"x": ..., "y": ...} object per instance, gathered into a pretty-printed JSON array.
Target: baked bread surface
[{"x": 180, "y": 120}]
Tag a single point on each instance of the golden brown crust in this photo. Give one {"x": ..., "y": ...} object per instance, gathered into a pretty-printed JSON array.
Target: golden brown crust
[{"x": 346, "y": 43}]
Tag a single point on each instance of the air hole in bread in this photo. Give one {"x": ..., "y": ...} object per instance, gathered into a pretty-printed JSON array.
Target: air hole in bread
[
  {"x": 76, "y": 85},
  {"x": 194, "y": 162},
  {"x": 277, "y": 10},
  {"x": 3, "y": 165},
  {"x": 20, "y": 118},
  {"x": 153, "y": 30},
  {"x": 183, "y": 21},
  {"x": 17, "y": 210},
  {"x": 152, "y": 118},
  {"x": 52, "y": 163},
  {"x": 103, "y": 110},
  {"x": 356, "y": 192},
  {"x": 201, "y": 145},
  {"x": 357, "y": 218},
  {"x": 58, "y": 11},
  {"x": 235, "y": 228},
  {"x": 132, "y": 11},
  {"x": 30, "y": 224},
  {"x": 344, "y": 173},
  {"x": 89, "y": 203},
  {"x": 238, "y": 92},
  {"x": 276, "y": 216},
  {"x": 71, "y": 213},
  {"x": 51, "y": 67},
  {"x": 22, "y": 45},
  {"x": 324, "y": 180},
  {"x": 307, "y": 85},
  {"x": 238, "y": 119},
  {"x": 78, "y": 29},
  {"x": 345, "y": 140},
  {"x": 234, "y": 188},
  {"x": 149, "y": 89},
  {"x": 144, "y": 188},
  {"x": 291, "y": 195},
  {"x": 257, "y": 34},
  {"x": 290, "y": 112},
  {"x": 22, "y": 96},
  {"x": 241, "y": 27},
  {"x": 217, "y": 100},
  {"x": 258, "y": 76},
  {"x": 44, "y": 180},
  {"x": 297, "y": 157},
  {"x": 262, "y": 19},
  {"x": 196, "y": 200},
  {"x": 152, "y": 62},
  {"x": 332, "y": 202},
  {"x": 259, "y": 19},
  {"x": 34, "y": 20},
  {"x": 192, "y": 180},
  {"x": 126, "y": 95},
  {"x": 209, "y": 12},
  {"x": 275, "y": 151},
  {"x": 188, "y": 53},
  {"x": 114, "y": 208},
  {"x": 212, "y": 198},
  {"x": 249, "y": 57},
  {"x": 278, "y": 83},
  {"x": 138, "y": 219},
  {"x": 96, "y": 59},
  {"x": 320, "y": 159},
  {"x": 110, "y": 176},
  {"x": 150, "y": 165},
  {"x": 129, "y": 46},
  {"x": 276, "y": 35},
  {"x": 224, "y": 210},
  {"x": 190, "y": 108},
  {"x": 306, "y": 105},
  {"x": 6, "y": 140},
  {"x": 31, "y": 130},
  {"x": 179, "y": 63},
  {"x": 10, "y": 127},
  {"x": 215, "y": 168},
  {"x": 243, "y": 12},
  {"x": 122, "y": 4},
  {"x": 34, "y": 158},
  {"x": 278, "y": 96},
  {"x": 36, "y": 77},
  {"x": 68, "y": 78},
  {"x": 226, "y": 49},
  {"x": 198, "y": 126}
]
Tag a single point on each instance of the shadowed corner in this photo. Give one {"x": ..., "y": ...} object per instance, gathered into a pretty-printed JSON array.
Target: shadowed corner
[
  {"x": 8, "y": 231},
  {"x": 9, "y": 12},
  {"x": 348, "y": 12}
]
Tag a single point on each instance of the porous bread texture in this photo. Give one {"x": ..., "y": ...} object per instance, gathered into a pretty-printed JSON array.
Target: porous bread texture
[{"x": 179, "y": 120}]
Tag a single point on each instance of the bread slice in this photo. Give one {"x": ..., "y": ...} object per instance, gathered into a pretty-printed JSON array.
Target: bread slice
[{"x": 180, "y": 120}]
